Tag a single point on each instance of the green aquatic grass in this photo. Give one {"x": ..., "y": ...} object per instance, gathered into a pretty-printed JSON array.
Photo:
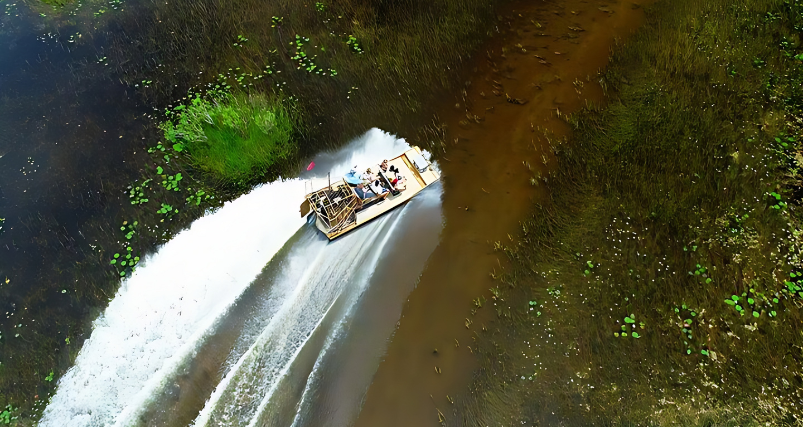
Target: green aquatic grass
[
  {"x": 697, "y": 158},
  {"x": 232, "y": 138}
]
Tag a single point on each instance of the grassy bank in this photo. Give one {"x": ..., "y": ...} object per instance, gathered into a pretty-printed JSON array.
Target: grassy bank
[{"x": 660, "y": 284}]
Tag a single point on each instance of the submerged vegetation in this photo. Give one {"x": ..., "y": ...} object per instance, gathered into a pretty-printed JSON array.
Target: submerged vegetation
[{"x": 686, "y": 190}]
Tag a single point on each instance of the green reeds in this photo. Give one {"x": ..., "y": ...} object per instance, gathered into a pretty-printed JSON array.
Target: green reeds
[{"x": 232, "y": 137}]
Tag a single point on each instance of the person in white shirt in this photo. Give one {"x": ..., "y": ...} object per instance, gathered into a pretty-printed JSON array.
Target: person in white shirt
[{"x": 368, "y": 177}]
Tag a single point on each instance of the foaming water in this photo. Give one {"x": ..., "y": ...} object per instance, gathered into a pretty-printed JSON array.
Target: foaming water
[
  {"x": 179, "y": 297},
  {"x": 335, "y": 275},
  {"x": 169, "y": 303},
  {"x": 344, "y": 368}
]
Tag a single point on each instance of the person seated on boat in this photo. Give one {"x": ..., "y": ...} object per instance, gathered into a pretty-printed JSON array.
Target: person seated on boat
[
  {"x": 363, "y": 193},
  {"x": 368, "y": 177},
  {"x": 394, "y": 175},
  {"x": 378, "y": 188},
  {"x": 384, "y": 165}
]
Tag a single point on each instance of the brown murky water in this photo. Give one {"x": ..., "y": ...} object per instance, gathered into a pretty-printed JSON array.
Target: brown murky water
[{"x": 548, "y": 54}]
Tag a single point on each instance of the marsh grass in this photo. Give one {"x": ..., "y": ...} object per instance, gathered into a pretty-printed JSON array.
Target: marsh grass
[
  {"x": 233, "y": 138},
  {"x": 406, "y": 54},
  {"x": 674, "y": 180}
]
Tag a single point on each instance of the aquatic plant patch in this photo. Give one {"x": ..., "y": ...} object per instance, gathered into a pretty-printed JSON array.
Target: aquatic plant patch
[
  {"x": 198, "y": 196},
  {"x": 137, "y": 192},
  {"x": 171, "y": 182},
  {"x": 306, "y": 62},
  {"x": 233, "y": 138},
  {"x": 7, "y": 415}
]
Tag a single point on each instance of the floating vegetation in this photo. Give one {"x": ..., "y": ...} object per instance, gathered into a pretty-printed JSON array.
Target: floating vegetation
[
  {"x": 629, "y": 327},
  {"x": 793, "y": 287},
  {"x": 775, "y": 200},
  {"x": 129, "y": 229},
  {"x": 589, "y": 268},
  {"x": 353, "y": 44},
  {"x": 276, "y": 21},
  {"x": 306, "y": 62},
  {"x": 160, "y": 148},
  {"x": 126, "y": 261},
  {"x": 171, "y": 182},
  {"x": 7, "y": 416},
  {"x": 534, "y": 306},
  {"x": 702, "y": 273},
  {"x": 136, "y": 193},
  {"x": 754, "y": 303},
  {"x": 167, "y": 210},
  {"x": 686, "y": 317},
  {"x": 240, "y": 41},
  {"x": 2, "y": 225},
  {"x": 198, "y": 197}
]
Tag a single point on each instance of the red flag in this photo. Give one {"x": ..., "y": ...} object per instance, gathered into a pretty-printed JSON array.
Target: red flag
[{"x": 311, "y": 165}]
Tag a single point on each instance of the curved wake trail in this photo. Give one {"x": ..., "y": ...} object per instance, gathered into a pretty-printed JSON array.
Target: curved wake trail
[
  {"x": 343, "y": 266},
  {"x": 177, "y": 298},
  {"x": 168, "y": 305}
]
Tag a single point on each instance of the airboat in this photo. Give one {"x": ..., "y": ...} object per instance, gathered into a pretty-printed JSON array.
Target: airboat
[{"x": 338, "y": 208}]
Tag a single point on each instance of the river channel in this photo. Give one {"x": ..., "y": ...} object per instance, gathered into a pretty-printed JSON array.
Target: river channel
[{"x": 249, "y": 316}]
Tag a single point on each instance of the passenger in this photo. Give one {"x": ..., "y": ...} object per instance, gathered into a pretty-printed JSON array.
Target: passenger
[
  {"x": 362, "y": 193},
  {"x": 368, "y": 176},
  {"x": 384, "y": 165},
  {"x": 377, "y": 187},
  {"x": 394, "y": 174}
]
